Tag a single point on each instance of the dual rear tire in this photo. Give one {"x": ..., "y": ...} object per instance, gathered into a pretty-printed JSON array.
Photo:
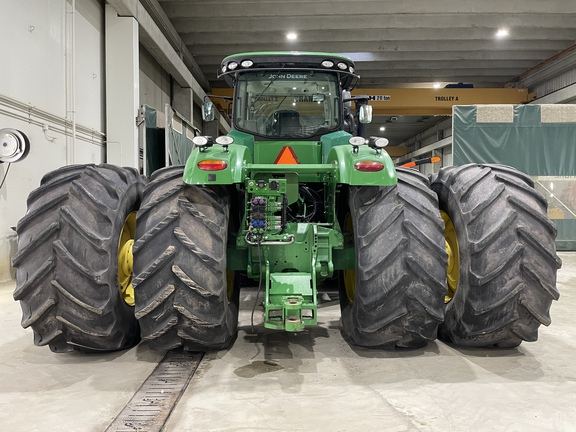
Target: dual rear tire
[
  {"x": 499, "y": 281},
  {"x": 74, "y": 264}
]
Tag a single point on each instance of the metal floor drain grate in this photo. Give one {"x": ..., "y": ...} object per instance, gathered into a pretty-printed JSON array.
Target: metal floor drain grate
[{"x": 149, "y": 408}]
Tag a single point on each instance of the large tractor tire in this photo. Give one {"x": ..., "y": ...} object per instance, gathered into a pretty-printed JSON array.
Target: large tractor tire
[
  {"x": 67, "y": 260},
  {"x": 395, "y": 296},
  {"x": 503, "y": 262},
  {"x": 183, "y": 295}
]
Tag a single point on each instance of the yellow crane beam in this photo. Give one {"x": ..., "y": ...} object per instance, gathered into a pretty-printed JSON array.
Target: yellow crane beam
[
  {"x": 221, "y": 104},
  {"x": 431, "y": 101},
  {"x": 423, "y": 101}
]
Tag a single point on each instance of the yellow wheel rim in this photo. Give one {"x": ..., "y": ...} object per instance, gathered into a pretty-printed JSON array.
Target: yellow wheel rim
[
  {"x": 230, "y": 279},
  {"x": 126, "y": 260},
  {"x": 453, "y": 268},
  {"x": 349, "y": 275}
]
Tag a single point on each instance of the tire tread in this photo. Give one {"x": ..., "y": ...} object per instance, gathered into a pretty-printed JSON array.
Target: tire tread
[
  {"x": 401, "y": 264},
  {"x": 507, "y": 254}
]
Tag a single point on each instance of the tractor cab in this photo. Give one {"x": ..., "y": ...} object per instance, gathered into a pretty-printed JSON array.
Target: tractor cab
[{"x": 293, "y": 96}]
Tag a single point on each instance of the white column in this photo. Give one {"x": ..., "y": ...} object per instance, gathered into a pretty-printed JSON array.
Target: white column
[{"x": 122, "y": 89}]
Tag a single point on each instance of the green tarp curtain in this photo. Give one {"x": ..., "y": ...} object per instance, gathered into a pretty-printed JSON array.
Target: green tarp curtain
[
  {"x": 539, "y": 140},
  {"x": 179, "y": 136}
]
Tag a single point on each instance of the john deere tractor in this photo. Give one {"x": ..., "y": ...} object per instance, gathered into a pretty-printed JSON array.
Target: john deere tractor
[{"x": 293, "y": 196}]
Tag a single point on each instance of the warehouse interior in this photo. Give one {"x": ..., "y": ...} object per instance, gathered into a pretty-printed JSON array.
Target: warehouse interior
[{"x": 94, "y": 81}]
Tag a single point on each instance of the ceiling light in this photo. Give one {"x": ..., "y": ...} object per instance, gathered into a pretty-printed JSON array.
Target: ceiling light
[
  {"x": 502, "y": 33},
  {"x": 291, "y": 36},
  {"x": 382, "y": 128},
  {"x": 436, "y": 85}
]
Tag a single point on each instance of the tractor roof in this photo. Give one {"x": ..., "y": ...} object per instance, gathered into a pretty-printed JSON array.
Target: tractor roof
[{"x": 287, "y": 61}]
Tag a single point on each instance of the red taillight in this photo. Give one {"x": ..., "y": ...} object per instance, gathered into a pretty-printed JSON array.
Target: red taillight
[
  {"x": 212, "y": 165},
  {"x": 368, "y": 166}
]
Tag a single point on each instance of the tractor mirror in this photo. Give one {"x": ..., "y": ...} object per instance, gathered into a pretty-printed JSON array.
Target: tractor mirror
[
  {"x": 208, "y": 110},
  {"x": 365, "y": 114}
]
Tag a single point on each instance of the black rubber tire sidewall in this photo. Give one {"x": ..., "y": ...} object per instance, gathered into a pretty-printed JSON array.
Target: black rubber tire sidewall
[
  {"x": 86, "y": 311},
  {"x": 181, "y": 298},
  {"x": 506, "y": 281},
  {"x": 403, "y": 239}
]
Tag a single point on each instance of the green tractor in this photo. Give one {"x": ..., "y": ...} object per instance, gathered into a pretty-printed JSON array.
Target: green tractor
[{"x": 292, "y": 197}]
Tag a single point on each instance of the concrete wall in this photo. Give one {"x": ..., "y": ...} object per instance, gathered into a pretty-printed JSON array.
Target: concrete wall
[
  {"x": 36, "y": 73},
  {"x": 154, "y": 82}
]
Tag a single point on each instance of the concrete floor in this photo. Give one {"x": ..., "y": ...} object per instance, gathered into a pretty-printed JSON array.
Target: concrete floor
[{"x": 314, "y": 381}]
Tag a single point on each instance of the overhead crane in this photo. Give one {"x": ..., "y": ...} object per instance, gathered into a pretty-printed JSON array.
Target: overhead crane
[{"x": 423, "y": 101}]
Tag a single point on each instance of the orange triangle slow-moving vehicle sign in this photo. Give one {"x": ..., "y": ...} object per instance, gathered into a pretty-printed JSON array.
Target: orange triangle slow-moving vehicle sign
[{"x": 286, "y": 156}]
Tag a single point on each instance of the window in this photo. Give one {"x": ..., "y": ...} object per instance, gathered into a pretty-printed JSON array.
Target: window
[
  {"x": 560, "y": 192},
  {"x": 287, "y": 104}
]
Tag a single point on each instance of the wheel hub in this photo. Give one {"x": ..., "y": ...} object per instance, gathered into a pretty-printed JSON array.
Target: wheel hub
[
  {"x": 126, "y": 259},
  {"x": 453, "y": 267}
]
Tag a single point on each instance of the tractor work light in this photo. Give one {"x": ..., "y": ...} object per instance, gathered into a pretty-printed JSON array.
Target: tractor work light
[
  {"x": 212, "y": 165},
  {"x": 327, "y": 63},
  {"x": 246, "y": 63},
  {"x": 368, "y": 166},
  {"x": 232, "y": 65},
  {"x": 357, "y": 141},
  {"x": 342, "y": 66},
  {"x": 203, "y": 142},
  {"x": 378, "y": 142},
  {"x": 200, "y": 141},
  {"x": 224, "y": 140}
]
